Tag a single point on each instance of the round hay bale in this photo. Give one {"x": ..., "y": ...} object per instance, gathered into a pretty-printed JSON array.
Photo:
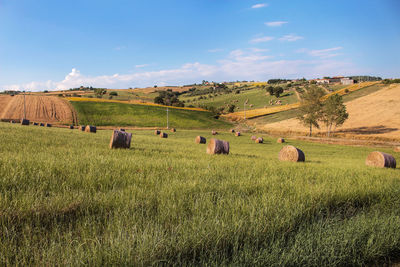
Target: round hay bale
[
  {"x": 120, "y": 139},
  {"x": 253, "y": 137},
  {"x": 216, "y": 146},
  {"x": 200, "y": 140},
  {"x": 121, "y": 129},
  {"x": 24, "y": 122},
  {"x": 291, "y": 153},
  {"x": 48, "y": 125},
  {"x": 280, "y": 140},
  {"x": 214, "y": 132},
  {"x": 90, "y": 129},
  {"x": 259, "y": 140},
  {"x": 12, "y": 121},
  {"x": 237, "y": 133},
  {"x": 157, "y": 132},
  {"x": 173, "y": 130},
  {"x": 163, "y": 135},
  {"x": 82, "y": 128},
  {"x": 232, "y": 130},
  {"x": 41, "y": 124},
  {"x": 381, "y": 160},
  {"x": 71, "y": 127},
  {"x": 397, "y": 149},
  {"x": 35, "y": 124}
]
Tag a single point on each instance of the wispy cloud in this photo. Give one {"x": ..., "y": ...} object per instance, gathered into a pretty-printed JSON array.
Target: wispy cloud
[
  {"x": 141, "y": 66},
  {"x": 259, "y": 5},
  {"x": 322, "y": 53},
  {"x": 258, "y": 50},
  {"x": 291, "y": 38},
  {"x": 215, "y": 50},
  {"x": 261, "y": 39},
  {"x": 275, "y": 23}
]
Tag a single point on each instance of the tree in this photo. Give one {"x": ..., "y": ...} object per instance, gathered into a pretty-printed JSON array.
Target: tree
[
  {"x": 334, "y": 112},
  {"x": 278, "y": 91},
  {"x": 113, "y": 93},
  {"x": 311, "y": 107},
  {"x": 270, "y": 90}
]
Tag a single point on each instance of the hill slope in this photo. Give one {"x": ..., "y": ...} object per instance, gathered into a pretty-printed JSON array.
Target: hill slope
[{"x": 373, "y": 115}]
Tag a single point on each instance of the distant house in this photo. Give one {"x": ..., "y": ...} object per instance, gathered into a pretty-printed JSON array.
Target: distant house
[
  {"x": 321, "y": 81},
  {"x": 346, "y": 81}
]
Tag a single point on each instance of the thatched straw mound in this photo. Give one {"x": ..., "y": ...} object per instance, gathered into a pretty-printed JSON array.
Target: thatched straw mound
[
  {"x": 216, "y": 146},
  {"x": 173, "y": 130},
  {"x": 397, "y": 149},
  {"x": 82, "y": 128},
  {"x": 71, "y": 127},
  {"x": 120, "y": 139},
  {"x": 214, "y": 132},
  {"x": 291, "y": 153},
  {"x": 237, "y": 134},
  {"x": 280, "y": 140},
  {"x": 232, "y": 130},
  {"x": 381, "y": 160},
  {"x": 157, "y": 132},
  {"x": 35, "y": 123},
  {"x": 24, "y": 122},
  {"x": 41, "y": 124},
  {"x": 48, "y": 125},
  {"x": 163, "y": 135},
  {"x": 259, "y": 140},
  {"x": 200, "y": 140},
  {"x": 253, "y": 137},
  {"x": 90, "y": 129}
]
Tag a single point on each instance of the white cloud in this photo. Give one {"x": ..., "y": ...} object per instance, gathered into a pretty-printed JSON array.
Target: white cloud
[
  {"x": 259, "y": 5},
  {"x": 275, "y": 23},
  {"x": 261, "y": 39},
  {"x": 215, "y": 50},
  {"x": 240, "y": 64},
  {"x": 141, "y": 66},
  {"x": 291, "y": 38},
  {"x": 258, "y": 50},
  {"x": 322, "y": 53}
]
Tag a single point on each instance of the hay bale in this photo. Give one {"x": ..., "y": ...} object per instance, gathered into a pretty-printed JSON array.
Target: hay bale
[
  {"x": 121, "y": 129},
  {"x": 163, "y": 135},
  {"x": 120, "y": 139},
  {"x": 41, "y": 124},
  {"x": 280, "y": 140},
  {"x": 71, "y": 127},
  {"x": 82, "y": 128},
  {"x": 214, "y": 132},
  {"x": 200, "y": 140},
  {"x": 253, "y": 137},
  {"x": 216, "y": 146},
  {"x": 48, "y": 125},
  {"x": 381, "y": 160},
  {"x": 291, "y": 153},
  {"x": 237, "y": 134},
  {"x": 397, "y": 149},
  {"x": 232, "y": 130},
  {"x": 259, "y": 140},
  {"x": 90, "y": 129},
  {"x": 11, "y": 121},
  {"x": 35, "y": 124},
  {"x": 24, "y": 122},
  {"x": 173, "y": 130},
  {"x": 157, "y": 132}
]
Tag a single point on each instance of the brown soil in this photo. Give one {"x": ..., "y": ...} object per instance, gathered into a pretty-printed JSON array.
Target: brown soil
[
  {"x": 376, "y": 115},
  {"x": 38, "y": 108}
]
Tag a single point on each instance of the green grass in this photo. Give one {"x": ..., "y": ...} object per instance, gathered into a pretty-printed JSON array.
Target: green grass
[
  {"x": 66, "y": 199},
  {"x": 117, "y": 114},
  {"x": 257, "y": 97}
]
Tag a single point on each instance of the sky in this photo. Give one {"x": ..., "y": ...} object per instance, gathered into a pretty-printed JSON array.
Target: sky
[{"x": 53, "y": 45}]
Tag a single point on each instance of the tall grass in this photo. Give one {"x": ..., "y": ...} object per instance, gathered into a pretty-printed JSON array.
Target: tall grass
[{"x": 66, "y": 199}]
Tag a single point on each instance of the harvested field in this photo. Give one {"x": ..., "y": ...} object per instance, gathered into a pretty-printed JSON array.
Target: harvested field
[
  {"x": 38, "y": 108},
  {"x": 374, "y": 115}
]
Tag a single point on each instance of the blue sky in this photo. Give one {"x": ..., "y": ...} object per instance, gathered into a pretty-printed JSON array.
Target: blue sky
[{"x": 48, "y": 45}]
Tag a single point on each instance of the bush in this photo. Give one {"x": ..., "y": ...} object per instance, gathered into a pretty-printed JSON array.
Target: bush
[{"x": 113, "y": 93}]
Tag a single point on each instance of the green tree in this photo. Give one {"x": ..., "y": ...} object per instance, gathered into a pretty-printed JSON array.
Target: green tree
[
  {"x": 270, "y": 90},
  {"x": 311, "y": 107},
  {"x": 278, "y": 91},
  {"x": 334, "y": 112}
]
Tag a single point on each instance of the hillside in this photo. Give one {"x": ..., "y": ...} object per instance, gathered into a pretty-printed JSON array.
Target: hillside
[
  {"x": 374, "y": 115},
  {"x": 38, "y": 108}
]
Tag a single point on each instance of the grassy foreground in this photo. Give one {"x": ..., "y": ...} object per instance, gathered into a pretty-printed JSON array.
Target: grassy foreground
[
  {"x": 118, "y": 114},
  {"x": 66, "y": 199}
]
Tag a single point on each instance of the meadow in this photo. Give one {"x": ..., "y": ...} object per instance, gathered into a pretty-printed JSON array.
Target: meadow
[
  {"x": 67, "y": 199},
  {"x": 120, "y": 114}
]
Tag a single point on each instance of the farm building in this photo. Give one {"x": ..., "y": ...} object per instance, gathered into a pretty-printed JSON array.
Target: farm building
[{"x": 346, "y": 81}]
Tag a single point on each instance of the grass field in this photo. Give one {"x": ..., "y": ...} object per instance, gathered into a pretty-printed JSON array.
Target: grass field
[
  {"x": 119, "y": 114},
  {"x": 66, "y": 199}
]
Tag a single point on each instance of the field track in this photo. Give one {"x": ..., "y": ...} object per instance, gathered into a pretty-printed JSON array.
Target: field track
[{"x": 38, "y": 108}]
